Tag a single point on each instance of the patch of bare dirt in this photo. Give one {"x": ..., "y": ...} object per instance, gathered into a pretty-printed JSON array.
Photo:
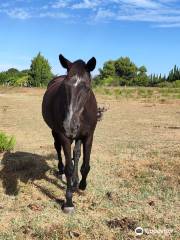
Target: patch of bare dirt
[{"x": 122, "y": 224}]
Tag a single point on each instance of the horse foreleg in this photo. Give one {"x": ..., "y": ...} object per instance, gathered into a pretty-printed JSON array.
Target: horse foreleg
[
  {"x": 85, "y": 168},
  {"x": 76, "y": 157},
  {"x": 68, "y": 206}
]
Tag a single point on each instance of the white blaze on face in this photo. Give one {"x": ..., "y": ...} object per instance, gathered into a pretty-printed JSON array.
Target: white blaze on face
[
  {"x": 70, "y": 114},
  {"x": 72, "y": 108},
  {"x": 78, "y": 80}
]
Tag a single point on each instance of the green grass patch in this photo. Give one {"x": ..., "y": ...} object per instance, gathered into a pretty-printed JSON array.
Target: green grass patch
[
  {"x": 6, "y": 143},
  {"x": 139, "y": 92}
]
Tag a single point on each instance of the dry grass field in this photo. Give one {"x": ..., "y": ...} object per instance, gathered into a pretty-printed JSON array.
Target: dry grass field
[{"x": 133, "y": 180}]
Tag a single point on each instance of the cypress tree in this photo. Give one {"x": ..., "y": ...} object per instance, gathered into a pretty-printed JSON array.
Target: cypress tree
[{"x": 40, "y": 72}]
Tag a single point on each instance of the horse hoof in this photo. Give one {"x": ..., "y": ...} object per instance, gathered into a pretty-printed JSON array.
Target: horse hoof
[
  {"x": 82, "y": 186},
  {"x": 62, "y": 177},
  {"x": 68, "y": 210},
  {"x": 81, "y": 192}
]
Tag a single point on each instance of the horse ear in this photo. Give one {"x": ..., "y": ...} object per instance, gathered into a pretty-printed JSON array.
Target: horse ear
[
  {"x": 64, "y": 62},
  {"x": 91, "y": 64}
]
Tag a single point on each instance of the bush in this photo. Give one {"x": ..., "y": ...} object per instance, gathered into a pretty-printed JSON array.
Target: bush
[
  {"x": 96, "y": 81},
  {"x": 164, "y": 84},
  {"x": 6, "y": 143},
  {"x": 13, "y": 77},
  {"x": 110, "y": 81},
  {"x": 22, "y": 81},
  {"x": 175, "y": 84}
]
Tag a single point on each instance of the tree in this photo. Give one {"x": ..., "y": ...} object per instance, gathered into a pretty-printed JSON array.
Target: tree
[
  {"x": 126, "y": 69},
  {"x": 142, "y": 78},
  {"x": 97, "y": 80},
  {"x": 108, "y": 69},
  {"x": 3, "y": 77},
  {"x": 142, "y": 70},
  {"x": 119, "y": 72},
  {"x": 40, "y": 72},
  {"x": 9, "y": 77},
  {"x": 174, "y": 74},
  {"x": 12, "y": 71}
]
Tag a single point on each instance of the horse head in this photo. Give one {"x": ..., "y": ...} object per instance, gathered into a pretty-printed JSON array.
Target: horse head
[{"x": 77, "y": 85}]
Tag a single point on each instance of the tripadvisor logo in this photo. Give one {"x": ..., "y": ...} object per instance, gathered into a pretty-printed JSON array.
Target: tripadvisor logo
[{"x": 139, "y": 231}]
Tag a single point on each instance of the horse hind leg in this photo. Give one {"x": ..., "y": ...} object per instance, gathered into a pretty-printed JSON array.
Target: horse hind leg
[
  {"x": 57, "y": 145},
  {"x": 85, "y": 168},
  {"x": 76, "y": 157}
]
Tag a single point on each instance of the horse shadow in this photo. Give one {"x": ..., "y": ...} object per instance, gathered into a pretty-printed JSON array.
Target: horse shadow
[{"x": 25, "y": 167}]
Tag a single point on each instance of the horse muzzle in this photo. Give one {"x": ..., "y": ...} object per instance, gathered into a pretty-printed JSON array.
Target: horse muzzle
[{"x": 71, "y": 130}]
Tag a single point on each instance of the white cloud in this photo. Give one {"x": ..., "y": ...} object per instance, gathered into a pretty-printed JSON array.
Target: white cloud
[
  {"x": 18, "y": 13},
  {"x": 149, "y": 17},
  {"x": 142, "y": 3},
  {"x": 162, "y": 13},
  {"x": 60, "y": 4},
  {"x": 103, "y": 14},
  {"x": 53, "y": 15},
  {"x": 86, "y": 4}
]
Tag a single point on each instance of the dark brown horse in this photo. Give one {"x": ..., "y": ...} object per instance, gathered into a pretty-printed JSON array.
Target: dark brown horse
[{"x": 69, "y": 108}]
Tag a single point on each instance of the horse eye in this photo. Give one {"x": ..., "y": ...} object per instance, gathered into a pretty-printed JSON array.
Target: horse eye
[{"x": 87, "y": 89}]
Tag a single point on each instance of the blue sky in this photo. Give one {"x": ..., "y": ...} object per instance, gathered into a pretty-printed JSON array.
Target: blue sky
[{"x": 147, "y": 31}]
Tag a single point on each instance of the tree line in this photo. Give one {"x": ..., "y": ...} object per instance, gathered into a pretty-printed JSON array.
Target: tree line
[
  {"x": 123, "y": 72},
  {"x": 120, "y": 72},
  {"x": 38, "y": 75}
]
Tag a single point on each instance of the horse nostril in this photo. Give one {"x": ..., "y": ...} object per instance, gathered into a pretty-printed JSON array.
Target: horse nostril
[
  {"x": 74, "y": 125},
  {"x": 77, "y": 126}
]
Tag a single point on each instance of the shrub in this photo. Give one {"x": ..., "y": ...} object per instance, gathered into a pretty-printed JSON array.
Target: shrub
[
  {"x": 22, "y": 81},
  {"x": 164, "y": 84},
  {"x": 176, "y": 84},
  {"x": 6, "y": 143},
  {"x": 109, "y": 81}
]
